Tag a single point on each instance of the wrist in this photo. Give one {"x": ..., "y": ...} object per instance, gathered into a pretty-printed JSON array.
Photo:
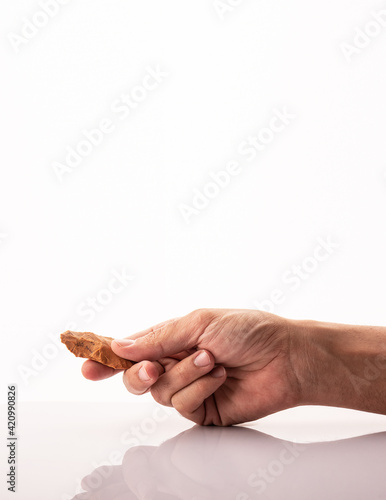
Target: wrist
[{"x": 340, "y": 365}]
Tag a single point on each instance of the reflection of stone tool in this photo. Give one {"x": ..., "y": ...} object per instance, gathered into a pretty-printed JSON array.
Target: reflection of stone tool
[{"x": 91, "y": 346}]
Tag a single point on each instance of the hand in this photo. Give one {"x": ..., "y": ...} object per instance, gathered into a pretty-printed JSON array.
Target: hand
[{"x": 254, "y": 347}]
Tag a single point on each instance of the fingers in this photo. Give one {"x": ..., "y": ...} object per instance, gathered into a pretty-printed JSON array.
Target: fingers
[
  {"x": 102, "y": 476},
  {"x": 137, "y": 379},
  {"x": 156, "y": 343},
  {"x": 164, "y": 340},
  {"x": 138, "y": 472},
  {"x": 92, "y": 370},
  {"x": 140, "y": 377},
  {"x": 190, "y": 401},
  {"x": 181, "y": 375},
  {"x": 142, "y": 333}
]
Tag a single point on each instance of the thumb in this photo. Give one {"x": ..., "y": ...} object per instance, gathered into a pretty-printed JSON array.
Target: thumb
[{"x": 158, "y": 342}]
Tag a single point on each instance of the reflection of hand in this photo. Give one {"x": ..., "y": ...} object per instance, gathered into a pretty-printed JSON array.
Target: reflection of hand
[
  {"x": 253, "y": 346},
  {"x": 243, "y": 464},
  {"x": 105, "y": 483}
]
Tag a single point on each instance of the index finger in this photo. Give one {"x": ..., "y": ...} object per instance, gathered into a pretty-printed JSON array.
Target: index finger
[
  {"x": 158, "y": 342},
  {"x": 158, "y": 326},
  {"x": 92, "y": 370}
]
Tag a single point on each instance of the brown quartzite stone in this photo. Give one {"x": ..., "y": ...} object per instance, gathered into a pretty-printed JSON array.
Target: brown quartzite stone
[{"x": 91, "y": 346}]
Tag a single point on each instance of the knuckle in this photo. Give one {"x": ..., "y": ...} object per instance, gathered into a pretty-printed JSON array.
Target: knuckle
[
  {"x": 178, "y": 403},
  {"x": 182, "y": 403},
  {"x": 200, "y": 313},
  {"x": 201, "y": 317},
  {"x": 153, "y": 339},
  {"x": 150, "y": 338},
  {"x": 181, "y": 374},
  {"x": 160, "y": 396}
]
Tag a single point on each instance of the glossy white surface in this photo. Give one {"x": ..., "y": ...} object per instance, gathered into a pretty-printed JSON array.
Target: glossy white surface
[{"x": 147, "y": 452}]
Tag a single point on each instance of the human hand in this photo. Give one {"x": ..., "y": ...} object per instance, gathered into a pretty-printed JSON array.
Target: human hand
[{"x": 254, "y": 347}]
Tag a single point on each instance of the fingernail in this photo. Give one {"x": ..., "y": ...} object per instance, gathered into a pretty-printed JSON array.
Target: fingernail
[
  {"x": 218, "y": 372},
  {"x": 124, "y": 342},
  {"x": 143, "y": 375},
  {"x": 202, "y": 359}
]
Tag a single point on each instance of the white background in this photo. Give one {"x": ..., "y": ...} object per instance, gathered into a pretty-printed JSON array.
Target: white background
[{"x": 324, "y": 175}]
